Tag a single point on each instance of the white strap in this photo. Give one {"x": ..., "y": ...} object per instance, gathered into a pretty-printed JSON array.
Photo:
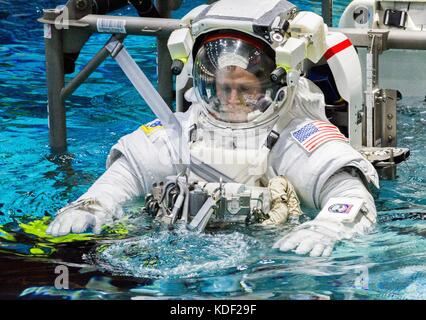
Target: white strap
[{"x": 151, "y": 96}]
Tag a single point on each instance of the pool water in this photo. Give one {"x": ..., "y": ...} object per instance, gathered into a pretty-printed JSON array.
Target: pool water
[{"x": 138, "y": 259}]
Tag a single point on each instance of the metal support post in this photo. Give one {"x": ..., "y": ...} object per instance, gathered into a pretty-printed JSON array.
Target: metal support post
[
  {"x": 164, "y": 61},
  {"x": 380, "y": 106},
  {"x": 327, "y": 12},
  {"x": 376, "y": 47},
  {"x": 53, "y": 37}
]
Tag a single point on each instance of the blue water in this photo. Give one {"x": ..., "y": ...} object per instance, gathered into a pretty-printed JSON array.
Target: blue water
[{"x": 149, "y": 262}]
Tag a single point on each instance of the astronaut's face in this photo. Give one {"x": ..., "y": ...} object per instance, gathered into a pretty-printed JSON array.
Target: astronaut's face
[
  {"x": 238, "y": 91},
  {"x": 232, "y": 79}
]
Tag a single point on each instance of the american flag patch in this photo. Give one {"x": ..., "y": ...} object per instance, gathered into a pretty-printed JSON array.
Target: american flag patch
[{"x": 315, "y": 133}]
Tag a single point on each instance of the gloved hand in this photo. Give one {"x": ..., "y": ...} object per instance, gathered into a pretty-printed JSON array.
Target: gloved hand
[
  {"x": 316, "y": 237},
  {"x": 75, "y": 221},
  {"x": 78, "y": 217}
]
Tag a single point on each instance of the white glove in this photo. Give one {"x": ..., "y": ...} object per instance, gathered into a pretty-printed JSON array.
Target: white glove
[
  {"x": 75, "y": 221},
  {"x": 78, "y": 217},
  {"x": 316, "y": 237}
]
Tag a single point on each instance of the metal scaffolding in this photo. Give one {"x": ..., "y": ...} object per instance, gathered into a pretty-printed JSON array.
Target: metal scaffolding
[{"x": 67, "y": 29}]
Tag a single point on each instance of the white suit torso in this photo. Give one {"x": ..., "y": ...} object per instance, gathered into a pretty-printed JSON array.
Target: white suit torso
[{"x": 147, "y": 155}]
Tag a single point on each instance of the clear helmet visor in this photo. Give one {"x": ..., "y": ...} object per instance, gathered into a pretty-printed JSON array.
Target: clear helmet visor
[{"x": 232, "y": 79}]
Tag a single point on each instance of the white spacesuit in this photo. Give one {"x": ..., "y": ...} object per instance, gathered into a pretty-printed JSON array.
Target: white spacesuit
[{"x": 244, "y": 126}]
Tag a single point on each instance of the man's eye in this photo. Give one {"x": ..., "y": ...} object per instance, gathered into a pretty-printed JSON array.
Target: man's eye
[{"x": 227, "y": 89}]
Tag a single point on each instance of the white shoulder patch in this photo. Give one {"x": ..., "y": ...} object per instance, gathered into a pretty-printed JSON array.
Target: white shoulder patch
[{"x": 315, "y": 133}]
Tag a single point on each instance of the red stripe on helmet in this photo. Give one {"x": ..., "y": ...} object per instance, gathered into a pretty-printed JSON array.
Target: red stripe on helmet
[{"x": 337, "y": 48}]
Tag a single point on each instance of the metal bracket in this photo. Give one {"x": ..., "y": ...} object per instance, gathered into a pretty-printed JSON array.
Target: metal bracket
[
  {"x": 360, "y": 117},
  {"x": 376, "y": 47},
  {"x": 75, "y": 10},
  {"x": 385, "y": 117},
  {"x": 114, "y": 46},
  {"x": 385, "y": 159},
  {"x": 379, "y": 39}
]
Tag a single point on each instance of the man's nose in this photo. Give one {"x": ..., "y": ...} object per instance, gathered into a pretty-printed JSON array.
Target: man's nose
[{"x": 233, "y": 98}]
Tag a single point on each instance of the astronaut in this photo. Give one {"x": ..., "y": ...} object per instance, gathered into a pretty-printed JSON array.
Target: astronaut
[{"x": 254, "y": 116}]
